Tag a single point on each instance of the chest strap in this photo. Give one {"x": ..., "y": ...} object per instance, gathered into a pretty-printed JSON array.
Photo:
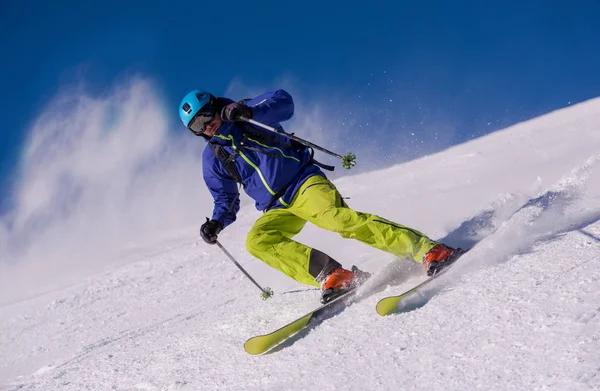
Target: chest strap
[{"x": 226, "y": 159}]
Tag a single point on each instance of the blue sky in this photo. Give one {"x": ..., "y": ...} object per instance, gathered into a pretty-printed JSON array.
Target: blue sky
[{"x": 473, "y": 66}]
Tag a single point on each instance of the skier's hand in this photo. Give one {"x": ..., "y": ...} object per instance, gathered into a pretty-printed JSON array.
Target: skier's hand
[
  {"x": 210, "y": 230},
  {"x": 233, "y": 112}
]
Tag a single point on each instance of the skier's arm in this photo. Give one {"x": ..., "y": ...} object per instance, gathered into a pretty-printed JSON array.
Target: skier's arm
[
  {"x": 272, "y": 108},
  {"x": 223, "y": 189}
]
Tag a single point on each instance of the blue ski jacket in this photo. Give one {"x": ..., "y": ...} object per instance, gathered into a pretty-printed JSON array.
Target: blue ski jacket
[{"x": 270, "y": 168}]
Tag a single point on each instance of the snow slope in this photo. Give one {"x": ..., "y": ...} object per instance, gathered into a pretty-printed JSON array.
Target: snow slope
[{"x": 522, "y": 311}]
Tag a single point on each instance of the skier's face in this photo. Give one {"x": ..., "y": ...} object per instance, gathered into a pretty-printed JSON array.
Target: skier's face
[{"x": 214, "y": 125}]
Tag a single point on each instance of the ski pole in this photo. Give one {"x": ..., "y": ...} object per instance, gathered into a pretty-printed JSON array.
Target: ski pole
[
  {"x": 266, "y": 292},
  {"x": 348, "y": 160}
]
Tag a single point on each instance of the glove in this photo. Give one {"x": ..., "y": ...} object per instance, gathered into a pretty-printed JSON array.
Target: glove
[
  {"x": 233, "y": 112},
  {"x": 210, "y": 230}
]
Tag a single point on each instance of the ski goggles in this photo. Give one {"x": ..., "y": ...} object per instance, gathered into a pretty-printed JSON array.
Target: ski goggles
[
  {"x": 200, "y": 120},
  {"x": 203, "y": 117}
]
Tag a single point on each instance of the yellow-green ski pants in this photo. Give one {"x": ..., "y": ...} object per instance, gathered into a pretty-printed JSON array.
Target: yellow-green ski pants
[{"x": 319, "y": 202}]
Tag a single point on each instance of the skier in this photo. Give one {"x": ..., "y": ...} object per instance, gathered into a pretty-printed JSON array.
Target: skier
[{"x": 289, "y": 186}]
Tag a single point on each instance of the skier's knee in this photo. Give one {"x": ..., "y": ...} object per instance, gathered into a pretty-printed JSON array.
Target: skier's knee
[
  {"x": 338, "y": 220},
  {"x": 251, "y": 243},
  {"x": 256, "y": 242}
]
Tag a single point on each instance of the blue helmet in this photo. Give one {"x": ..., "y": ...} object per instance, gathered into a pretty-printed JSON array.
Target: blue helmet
[{"x": 197, "y": 109}]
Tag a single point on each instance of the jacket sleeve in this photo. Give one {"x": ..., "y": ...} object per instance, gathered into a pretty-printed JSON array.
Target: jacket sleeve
[
  {"x": 272, "y": 108},
  {"x": 223, "y": 189}
]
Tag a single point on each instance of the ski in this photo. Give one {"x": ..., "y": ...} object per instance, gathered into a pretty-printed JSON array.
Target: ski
[
  {"x": 266, "y": 342},
  {"x": 388, "y": 304},
  {"x": 263, "y": 343}
]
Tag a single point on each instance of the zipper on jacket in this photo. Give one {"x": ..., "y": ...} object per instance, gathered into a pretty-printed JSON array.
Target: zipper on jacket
[{"x": 247, "y": 160}]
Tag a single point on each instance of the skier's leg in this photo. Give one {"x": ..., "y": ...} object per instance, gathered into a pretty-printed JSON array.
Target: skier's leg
[
  {"x": 319, "y": 202},
  {"x": 270, "y": 241}
]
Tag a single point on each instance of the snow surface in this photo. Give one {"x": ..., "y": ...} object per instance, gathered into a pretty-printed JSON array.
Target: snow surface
[{"x": 521, "y": 311}]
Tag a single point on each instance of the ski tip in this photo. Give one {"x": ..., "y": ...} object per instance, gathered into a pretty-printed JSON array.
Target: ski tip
[
  {"x": 263, "y": 343},
  {"x": 386, "y": 306},
  {"x": 254, "y": 347}
]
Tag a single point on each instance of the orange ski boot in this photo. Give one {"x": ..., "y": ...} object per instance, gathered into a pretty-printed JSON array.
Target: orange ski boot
[
  {"x": 340, "y": 281},
  {"x": 440, "y": 257}
]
